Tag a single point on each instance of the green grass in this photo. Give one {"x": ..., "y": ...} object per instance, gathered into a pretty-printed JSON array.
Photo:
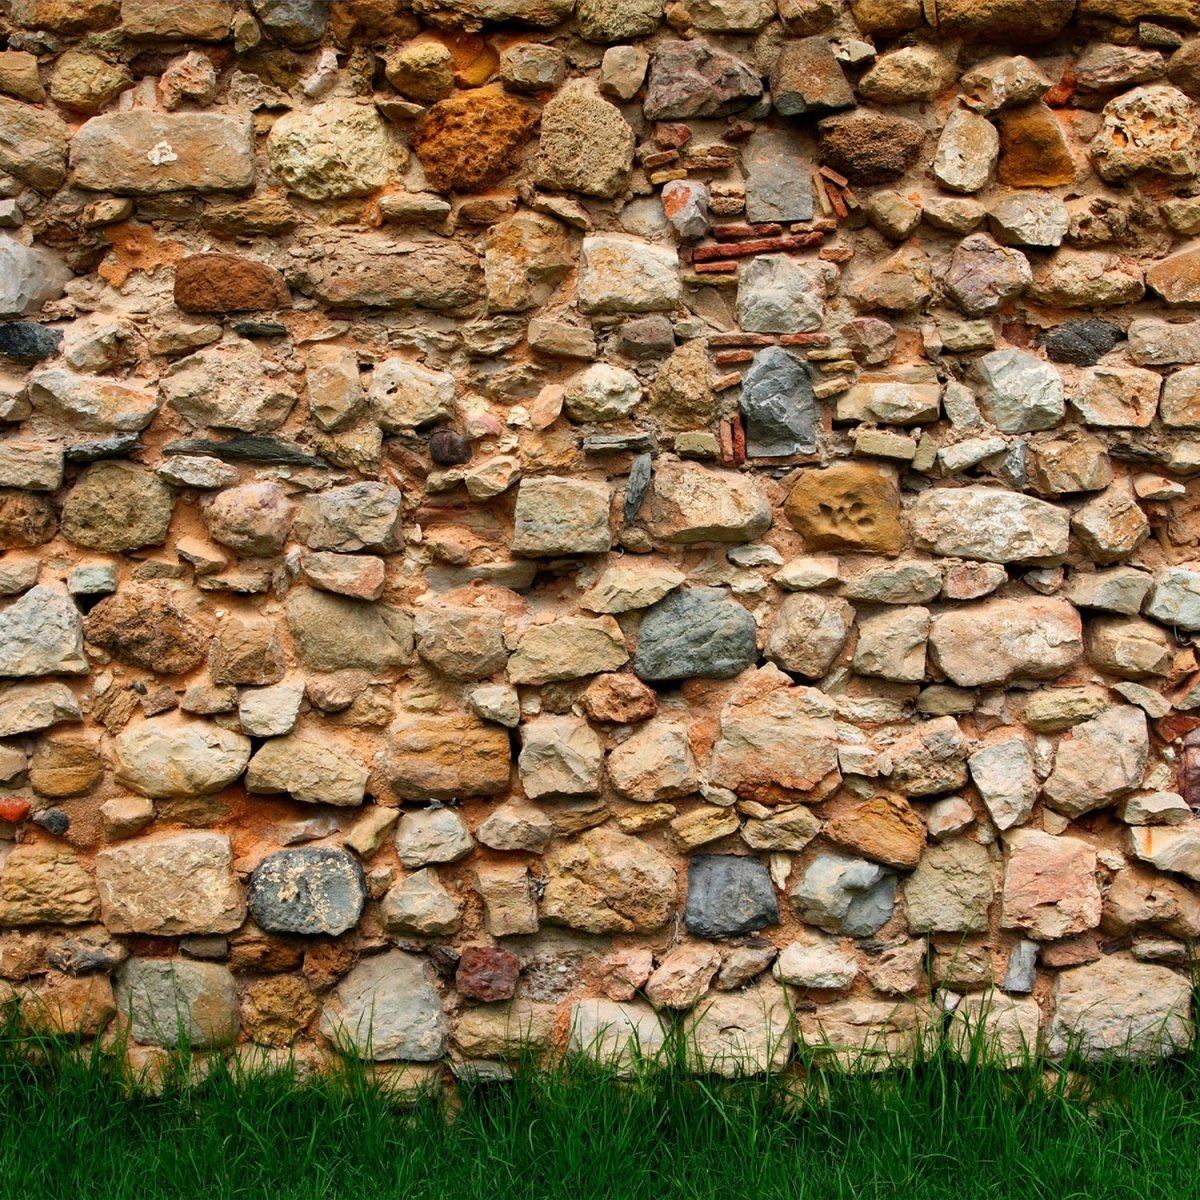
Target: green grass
[{"x": 70, "y": 1130}]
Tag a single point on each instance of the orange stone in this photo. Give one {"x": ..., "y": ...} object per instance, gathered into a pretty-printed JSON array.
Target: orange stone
[
  {"x": 1033, "y": 149},
  {"x": 851, "y": 506},
  {"x": 467, "y": 143}
]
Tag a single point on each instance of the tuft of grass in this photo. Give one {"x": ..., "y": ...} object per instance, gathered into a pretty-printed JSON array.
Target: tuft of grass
[{"x": 71, "y": 1127}]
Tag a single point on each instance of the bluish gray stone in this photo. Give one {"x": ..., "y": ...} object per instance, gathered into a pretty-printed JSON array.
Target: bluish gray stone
[
  {"x": 313, "y": 890},
  {"x": 729, "y": 894},
  {"x": 842, "y": 894},
  {"x": 26, "y": 341},
  {"x": 698, "y": 634},
  {"x": 1021, "y": 974},
  {"x": 637, "y": 487},
  {"x": 779, "y": 406},
  {"x": 293, "y": 22},
  {"x": 778, "y": 178}
]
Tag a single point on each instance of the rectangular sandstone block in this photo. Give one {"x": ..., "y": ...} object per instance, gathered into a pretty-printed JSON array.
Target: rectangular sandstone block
[{"x": 143, "y": 152}]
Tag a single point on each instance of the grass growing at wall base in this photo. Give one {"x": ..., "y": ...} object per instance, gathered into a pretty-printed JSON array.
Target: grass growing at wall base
[{"x": 70, "y": 1130}]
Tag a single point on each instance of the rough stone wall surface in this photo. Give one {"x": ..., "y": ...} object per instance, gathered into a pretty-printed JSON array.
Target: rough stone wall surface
[{"x": 533, "y": 521}]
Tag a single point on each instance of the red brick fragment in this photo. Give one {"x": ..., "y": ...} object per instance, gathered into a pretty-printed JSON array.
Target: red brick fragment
[
  {"x": 802, "y": 241},
  {"x": 736, "y": 230}
]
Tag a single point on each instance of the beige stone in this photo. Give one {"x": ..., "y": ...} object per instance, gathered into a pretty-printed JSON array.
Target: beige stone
[
  {"x": 606, "y": 882},
  {"x": 570, "y": 648},
  {"x": 777, "y": 743},
  {"x": 45, "y": 885},
  {"x": 1120, "y": 1007},
  {"x": 140, "y": 885}
]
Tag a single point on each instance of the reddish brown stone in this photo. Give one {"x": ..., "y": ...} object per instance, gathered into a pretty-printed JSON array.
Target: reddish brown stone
[
  {"x": 220, "y": 283},
  {"x": 621, "y": 699},
  {"x": 25, "y": 520},
  {"x": 1070, "y": 952},
  {"x": 487, "y": 973},
  {"x": 468, "y": 142},
  {"x": 142, "y": 626}
]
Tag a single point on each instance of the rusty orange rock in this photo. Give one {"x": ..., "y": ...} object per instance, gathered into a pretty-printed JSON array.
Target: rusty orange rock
[
  {"x": 467, "y": 143},
  {"x": 220, "y": 283}
]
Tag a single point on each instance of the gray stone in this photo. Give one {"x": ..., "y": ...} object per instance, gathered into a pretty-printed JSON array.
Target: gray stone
[
  {"x": 311, "y": 891},
  {"x": 1081, "y": 343},
  {"x": 777, "y": 294},
  {"x": 842, "y": 894},
  {"x": 25, "y": 341},
  {"x": 778, "y": 404},
  {"x": 293, "y": 22},
  {"x": 1175, "y": 598},
  {"x": 778, "y": 180},
  {"x": 728, "y": 895},
  {"x": 1020, "y": 393},
  {"x": 386, "y": 1009},
  {"x": 41, "y": 633},
  {"x": 1021, "y": 972},
  {"x": 173, "y": 1001},
  {"x": 699, "y": 633},
  {"x": 29, "y": 276}
]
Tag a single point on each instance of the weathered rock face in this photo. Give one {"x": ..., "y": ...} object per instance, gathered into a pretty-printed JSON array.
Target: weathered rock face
[
  {"x": 777, "y": 743},
  {"x": 139, "y": 887},
  {"x": 172, "y": 1000},
  {"x": 307, "y": 891},
  {"x": 142, "y": 152},
  {"x": 179, "y": 757},
  {"x": 605, "y": 882},
  {"x": 642, "y": 506},
  {"x": 1120, "y": 1007},
  {"x": 337, "y": 149},
  {"x": 386, "y": 1008},
  {"x": 144, "y": 627}
]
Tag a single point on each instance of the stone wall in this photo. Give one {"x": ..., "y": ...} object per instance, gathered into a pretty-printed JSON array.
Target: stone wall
[{"x": 525, "y": 516}]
